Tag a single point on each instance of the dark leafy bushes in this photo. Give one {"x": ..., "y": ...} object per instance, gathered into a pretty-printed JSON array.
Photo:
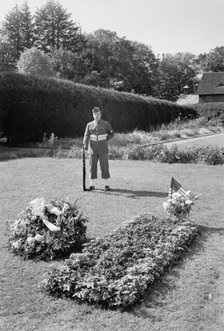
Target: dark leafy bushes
[
  {"x": 210, "y": 110},
  {"x": 116, "y": 270},
  {"x": 31, "y": 106}
]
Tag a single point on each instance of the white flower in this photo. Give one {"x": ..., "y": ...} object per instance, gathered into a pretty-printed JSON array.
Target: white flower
[
  {"x": 16, "y": 244},
  {"x": 65, "y": 207},
  {"x": 38, "y": 237},
  {"x": 30, "y": 240}
]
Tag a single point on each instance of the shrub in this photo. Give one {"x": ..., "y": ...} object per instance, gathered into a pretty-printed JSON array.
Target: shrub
[
  {"x": 116, "y": 153},
  {"x": 210, "y": 110},
  {"x": 32, "y": 106},
  {"x": 35, "y": 62},
  {"x": 143, "y": 153},
  {"x": 161, "y": 153},
  {"x": 212, "y": 155},
  {"x": 31, "y": 238},
  {"x": 169, "y": 155},
  {"x": 135, "y": 153},
  {"x": 190, "y": 154},
  {"x": 116, "y": 270}
]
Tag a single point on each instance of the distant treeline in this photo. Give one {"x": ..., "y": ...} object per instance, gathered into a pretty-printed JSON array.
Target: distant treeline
[
  {"x": 101, "y": 58},
  {"x": 31, "y": 106}
]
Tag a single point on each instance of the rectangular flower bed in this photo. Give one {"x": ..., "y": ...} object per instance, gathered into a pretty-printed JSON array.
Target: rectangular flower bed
[{"x": 115, "y": 271}]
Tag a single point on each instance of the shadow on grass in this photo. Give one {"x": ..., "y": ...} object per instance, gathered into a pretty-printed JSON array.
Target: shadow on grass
[
  {"x": 207, "y": 230},
  {"x": 155, "y": 296},
  {"x": 135, "y": 194}
]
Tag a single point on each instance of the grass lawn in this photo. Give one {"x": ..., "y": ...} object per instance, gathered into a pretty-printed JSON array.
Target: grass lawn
[{"x": 189, "y": 297}]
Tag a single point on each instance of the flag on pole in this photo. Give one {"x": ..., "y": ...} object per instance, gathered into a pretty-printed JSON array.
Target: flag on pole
[{"x": 176, "y": 187}]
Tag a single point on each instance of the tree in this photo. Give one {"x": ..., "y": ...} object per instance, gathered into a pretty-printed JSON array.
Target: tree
[
  {"x": 176, "y": 71},
  {"x": 7, "y": 56},
  {"x": 11, "y": 30},
  {"x": 115, "y": 62},
  {"x": 35, "y": 62},
  {"x": 212, "y": 61},
  {"x": 26, "y": 27},
  {"x": 54, "y": 28},
  {"x": 16, "y": 35},
  {"x": 101, "y": 56},
  {"x": 141, "y": 70}
]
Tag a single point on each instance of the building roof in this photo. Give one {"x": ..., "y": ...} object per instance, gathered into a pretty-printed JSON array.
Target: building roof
[{"x": 211, "y": 83}]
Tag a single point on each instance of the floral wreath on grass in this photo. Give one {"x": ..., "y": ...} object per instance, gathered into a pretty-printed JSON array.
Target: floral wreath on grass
[{"x": 47, "y": 229}]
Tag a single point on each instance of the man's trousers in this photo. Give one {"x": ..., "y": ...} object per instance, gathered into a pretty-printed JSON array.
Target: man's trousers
[{"x": 104, "y": 165}]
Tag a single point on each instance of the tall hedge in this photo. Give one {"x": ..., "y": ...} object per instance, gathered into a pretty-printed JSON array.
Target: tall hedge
[{"x": 31, "y": 106}]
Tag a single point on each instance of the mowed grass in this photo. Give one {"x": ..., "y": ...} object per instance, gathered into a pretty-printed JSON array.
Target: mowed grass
[{"x": 189, "y": 297}]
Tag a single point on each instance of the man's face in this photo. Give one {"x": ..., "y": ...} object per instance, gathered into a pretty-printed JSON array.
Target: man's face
[{"x": 97, "y": 116}]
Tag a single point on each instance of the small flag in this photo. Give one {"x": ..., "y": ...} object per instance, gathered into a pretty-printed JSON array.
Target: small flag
[{"x": 176, "y": 187}]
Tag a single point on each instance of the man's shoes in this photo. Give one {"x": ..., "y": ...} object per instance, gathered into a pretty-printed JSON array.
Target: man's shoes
[
  {"x": 107, "y": 188},
  {"x": 91, "y": 188}
]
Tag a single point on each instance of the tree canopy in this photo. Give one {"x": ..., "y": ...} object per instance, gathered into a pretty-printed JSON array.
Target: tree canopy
[{"x": 101, "y": 58}]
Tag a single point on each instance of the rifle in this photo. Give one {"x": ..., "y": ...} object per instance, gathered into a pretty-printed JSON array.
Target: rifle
[{"x": 83, "y": 168}]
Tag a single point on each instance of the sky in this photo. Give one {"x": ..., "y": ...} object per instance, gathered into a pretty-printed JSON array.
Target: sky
[{"x": 168, "y": 26}]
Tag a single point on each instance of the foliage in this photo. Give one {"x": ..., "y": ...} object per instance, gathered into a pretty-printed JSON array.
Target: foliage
[
  {"x": 213, "y": 60},
  {"x": 211, "y": 110},
  {"x": 17, "y": 34},
  {"x": 31, "y": 238},
  {"x": 169, "y": 155},
  {"x": 35, "y": 106},
  {"x": 63, "y": 62},
  {"x": 101, "y": 58},
  {"x": 143, "y": 153},
  {"x": 26, "y": 26},
  {"x": 7, "y": 55},
  {"x": 51, "y": 27},
  {"x": 118, "y": 63},
  {"x": 212, "y": 155},
  {"x": 35, "y": 62},
  {"x": 176, "y": 71},
  {"x": 116, "y": 270},
  {"x": 54, "y": 28},
  {"x": 11, "y": 30}
]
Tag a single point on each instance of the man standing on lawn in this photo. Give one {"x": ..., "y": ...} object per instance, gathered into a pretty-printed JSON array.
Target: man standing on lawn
[{"x": 96, "y": 137}]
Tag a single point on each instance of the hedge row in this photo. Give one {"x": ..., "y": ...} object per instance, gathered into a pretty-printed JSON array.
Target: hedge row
[
  {"x": 210, "y": 109},
  {"x": 31, "y": 106},
  {"x": 212, "y": 155}
]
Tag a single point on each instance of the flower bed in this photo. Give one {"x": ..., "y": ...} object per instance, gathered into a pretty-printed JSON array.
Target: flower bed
[
  {"x": 212, "y": 155},
  {"x": 116, "y": 270},
  {"x": 47, "y": 230}
]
